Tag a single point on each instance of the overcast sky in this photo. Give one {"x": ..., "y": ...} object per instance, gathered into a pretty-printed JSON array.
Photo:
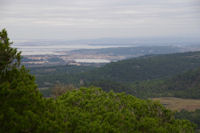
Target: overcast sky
[{"x": 89, "y": 19}]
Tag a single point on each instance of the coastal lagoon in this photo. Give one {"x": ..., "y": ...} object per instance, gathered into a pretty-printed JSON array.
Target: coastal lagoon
[{"x": 58, "y": 49}]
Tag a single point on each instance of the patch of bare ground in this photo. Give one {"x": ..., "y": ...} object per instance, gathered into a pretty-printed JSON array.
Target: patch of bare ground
[{"x": 177, "y": 104}]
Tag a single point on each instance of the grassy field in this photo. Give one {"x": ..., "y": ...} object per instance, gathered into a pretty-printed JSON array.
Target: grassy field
[{"x": 177, "y": 104}]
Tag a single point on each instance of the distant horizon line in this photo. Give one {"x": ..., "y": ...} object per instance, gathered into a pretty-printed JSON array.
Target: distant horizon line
[{"x": 112, "y": 38}]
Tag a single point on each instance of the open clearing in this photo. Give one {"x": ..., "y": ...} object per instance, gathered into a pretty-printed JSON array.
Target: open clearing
[{"x": 177, "y": 104}]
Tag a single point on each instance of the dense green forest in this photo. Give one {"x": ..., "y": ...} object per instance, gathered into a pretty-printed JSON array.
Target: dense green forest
[
  {"x": 23, "y": 108},
  {"x": 146, "y": 67},
  {"x": 66, "y": 74},
  {"x": 184, "y": 85},
  {"x": 144, "y": 77},
  {"x": 136, "y": 69}
]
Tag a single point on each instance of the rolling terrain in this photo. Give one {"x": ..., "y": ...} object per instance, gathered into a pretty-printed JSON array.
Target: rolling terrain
[
  {"x": 148, "y": 76},
  {"x": 147, "y": 67}
]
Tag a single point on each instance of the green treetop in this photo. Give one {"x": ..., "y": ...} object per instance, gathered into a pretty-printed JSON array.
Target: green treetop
[{"x": 9, "y": 57}]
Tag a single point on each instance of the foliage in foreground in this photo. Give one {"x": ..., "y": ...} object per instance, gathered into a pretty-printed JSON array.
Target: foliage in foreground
[
  {"x": 22, "y": 107},
  {"x": 24, "y": 110},
  {"x": 85, "y": 110},
  {"x": 93, "y": 110}
]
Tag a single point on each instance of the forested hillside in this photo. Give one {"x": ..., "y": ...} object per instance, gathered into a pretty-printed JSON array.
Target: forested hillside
[
  {"x": 66, "y": 74},
  {"x": 126, "y": 71},
  {"x": 147, "y": 67},
  {"x": 23, "y": 109},
  {"x": 184, "y": 85},
  {"x": 144, "y": 77}
]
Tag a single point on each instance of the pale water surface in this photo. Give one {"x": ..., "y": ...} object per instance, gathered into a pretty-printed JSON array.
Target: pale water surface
[
  {"x": 53, "y": 49},
  {"x": 92, "y": 60}
]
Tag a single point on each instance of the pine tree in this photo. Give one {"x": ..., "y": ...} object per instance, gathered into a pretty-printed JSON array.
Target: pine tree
[{"x": 9, "y": 57}]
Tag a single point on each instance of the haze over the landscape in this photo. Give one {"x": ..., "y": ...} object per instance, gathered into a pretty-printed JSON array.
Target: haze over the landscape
[
  {"x": 90, "y": 19},
  {"x": 99, "y": 66}
]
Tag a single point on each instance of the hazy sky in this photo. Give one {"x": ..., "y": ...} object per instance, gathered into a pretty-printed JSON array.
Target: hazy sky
[{"x": 84, "y": 19}]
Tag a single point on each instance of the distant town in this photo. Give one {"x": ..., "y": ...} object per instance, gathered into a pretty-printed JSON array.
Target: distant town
[{"x": 100, "y": 56}]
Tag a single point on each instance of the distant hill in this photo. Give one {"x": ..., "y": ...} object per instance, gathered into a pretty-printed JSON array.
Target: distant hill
[
  {"x": 131, "y": 51},
  {"x": 145, "y": 68},
  {"x": 146, "y": 73},
  {"x": 135, "y": 69}
]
